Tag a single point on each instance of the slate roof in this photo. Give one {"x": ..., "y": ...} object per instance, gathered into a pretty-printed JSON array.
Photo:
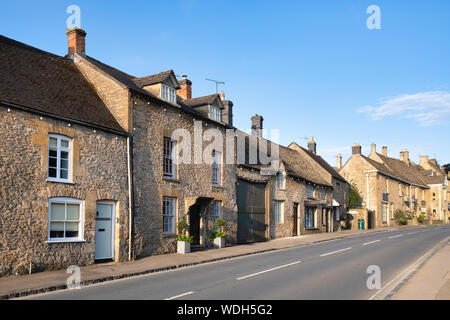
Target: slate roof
[
  {"x": 48, "y": 83},
  {"x": 153, "y": 79},
  {"x": 324, "y": 165},
  {"x": 200, "y": 101},
  {"x": 398, "y": 169}
]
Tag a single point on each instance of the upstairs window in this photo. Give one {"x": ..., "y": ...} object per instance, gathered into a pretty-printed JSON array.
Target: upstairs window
[
  {"x": 309, "y": 191},
  {"x": 281, "y": 181},
  {"x": 168, "y": 94},
  {"x": 324, "y": 194},
  {"x": 169, "y": 161},
  {"x": 215, "y": 113},
  {"x": 59, "y": 158},
  {"x": 216, "y": 168}
]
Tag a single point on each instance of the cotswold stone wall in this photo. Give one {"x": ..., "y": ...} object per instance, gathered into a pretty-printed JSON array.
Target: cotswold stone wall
[
  {"x": 151, "y": 123},
  {"x": 99, "y": 173}
]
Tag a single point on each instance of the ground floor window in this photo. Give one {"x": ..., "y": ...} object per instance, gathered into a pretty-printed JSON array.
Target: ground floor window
[
  {"x": 169, "y": 214},
  {"x": 338, "y": 217},
  {"x": 217, "y": 212},
  {"x": 309, "y": 218},
  {"x": 65, "y": 219},
  {"x": 384, "y": 212},
  {"x": 278, "y": 213}
]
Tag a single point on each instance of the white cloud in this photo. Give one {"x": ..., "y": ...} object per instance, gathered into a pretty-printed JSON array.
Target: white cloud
[{"x": 427, "y": 108}]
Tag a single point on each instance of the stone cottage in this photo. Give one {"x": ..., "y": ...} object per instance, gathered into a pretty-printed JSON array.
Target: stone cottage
[
  {"x": 63, "y": 166},
  {"x": 160, "y": 115},
  {"x": 387, "y": 184}
]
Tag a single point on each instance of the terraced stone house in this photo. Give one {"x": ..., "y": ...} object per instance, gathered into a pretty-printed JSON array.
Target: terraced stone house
[{"x": 387, "y": 184}]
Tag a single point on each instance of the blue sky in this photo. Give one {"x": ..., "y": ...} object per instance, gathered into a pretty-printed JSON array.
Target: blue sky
[{"x": 311, "y": 68}]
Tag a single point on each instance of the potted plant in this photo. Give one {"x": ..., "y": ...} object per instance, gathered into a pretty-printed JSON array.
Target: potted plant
[
  {"x": 218, "y": 236},
  {"x": 184, "y": 241}
]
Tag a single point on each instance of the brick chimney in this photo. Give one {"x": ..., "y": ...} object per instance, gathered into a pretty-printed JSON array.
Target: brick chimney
[
  {"x": 312, "y": 145},
  {"x": 185, "y": 90},
  {"x": 76, "y": 37},
  {"x": 339, "y": 161},
  {"x": 356, "y": 149},
  {"x": 257, "y": 125},
  {"x": 384, "y": 151}
]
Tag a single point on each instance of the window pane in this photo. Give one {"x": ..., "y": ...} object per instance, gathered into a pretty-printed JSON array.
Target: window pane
[
  {"x": 57, "y": 230},
  {"x": 52, "y": 162},
  {"x": 58, "y": 211},
  {"x": 64, "y": 143},
  {"x": 52, "y": 173},
  {"x": 73, "y": 212},
  {"x": 64, "y": 174},
  {"x": 52, "y": 153},
  {"x": 64, "y": 164},
  {"x": 64, "y": 155},
  {"x": 53, "y": 143},
  {"x": 72, "y": 229}
]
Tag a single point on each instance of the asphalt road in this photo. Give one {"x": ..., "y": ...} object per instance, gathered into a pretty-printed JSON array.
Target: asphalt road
[{"x": 329, "y": 270}]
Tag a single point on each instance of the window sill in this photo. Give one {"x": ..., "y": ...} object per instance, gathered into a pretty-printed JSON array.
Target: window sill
[
  {"x": 66, "y": 241},
  {"x": 171, "y": 179},
  {"x": 169, "y": 235},
  {"x": 218, "y": 186},
  {"x": 61, "y": 181},
  {"x": 312, "y": 229}
]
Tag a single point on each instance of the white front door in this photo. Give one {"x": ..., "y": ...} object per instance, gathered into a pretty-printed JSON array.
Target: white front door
[{"x": 104, "y": 233}]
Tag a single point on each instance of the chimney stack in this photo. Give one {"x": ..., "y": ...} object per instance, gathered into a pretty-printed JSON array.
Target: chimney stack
[
  {"x": 356, "y": 149},
  {"x": 339, "y": 161},
  {"x": 185, "y": 90},
  {"x": 227, "y": 113},
  {"x": 257, "y": 125},
  {"x": 312, "y": 145},
  {"x": 373, "y": 148},
  {"x": 406, "y": 156},
  {"x": 77, "y": 44},
  {"x": 402, "y": 155},
  {"x": 423, "y": 161},
  {"x": 384, "y": 151}
]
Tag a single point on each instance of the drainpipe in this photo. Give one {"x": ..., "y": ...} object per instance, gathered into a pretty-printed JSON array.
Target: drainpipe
[
  {"x": 130, "y": 194},
  {"x": 440, "y": 203}
]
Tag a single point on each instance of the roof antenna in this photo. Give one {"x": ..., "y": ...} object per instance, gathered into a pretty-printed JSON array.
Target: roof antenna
[
  {"x": 184, "y": 76},
  {"x": 217, "y": 84}
]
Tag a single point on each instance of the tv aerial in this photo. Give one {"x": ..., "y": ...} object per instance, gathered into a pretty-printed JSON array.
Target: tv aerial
[{"x": 217, "y": 83}]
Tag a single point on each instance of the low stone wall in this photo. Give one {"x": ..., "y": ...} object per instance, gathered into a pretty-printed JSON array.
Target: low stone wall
[{"x": 352, "y": 217}]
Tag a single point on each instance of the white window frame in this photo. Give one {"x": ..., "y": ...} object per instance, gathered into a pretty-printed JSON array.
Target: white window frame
[
  {"x": 173, "y": 201},
  {"x": 313, "y": 211},
  {"x": 278, "y": 211},
  {"x": 60, "y": 149},
  {"x": 168, "y": 94},
  {"x": 215, "y": 113},
  {"x": 217, "y": 212},
  {"x": 217, "y": 168},
  {"x": 170, "y": 156},
  {"x": 281, "y": 181},
  {"x": 66, "y": 201}
]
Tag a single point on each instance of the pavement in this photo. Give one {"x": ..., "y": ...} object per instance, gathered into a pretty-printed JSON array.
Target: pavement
[
  {"x": 322, "y": 266},
  {"x": 19, "y": 286},
  {"x": 431, "y": 281}
]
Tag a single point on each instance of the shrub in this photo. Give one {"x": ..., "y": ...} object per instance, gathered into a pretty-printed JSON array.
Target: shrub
[
  {"x": 400, "y": 217},
  {"x": 354, "y": 197},
  {"x": 182, "y": 237},
  {"x": 183, "y": 227},
  {"x": 421, "y": 218},
  {"x": 219, "y": 225}
]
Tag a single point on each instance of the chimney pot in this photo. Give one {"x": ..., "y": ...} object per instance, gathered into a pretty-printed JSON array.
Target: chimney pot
[
  {"x": 76, "y": 42},
  {"x": 185, "y": 90}
]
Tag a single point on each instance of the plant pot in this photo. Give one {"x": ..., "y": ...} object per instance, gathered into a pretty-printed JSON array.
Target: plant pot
[
  {"x": 219, "y": 242},
  {"x": 183, "y": 247}
]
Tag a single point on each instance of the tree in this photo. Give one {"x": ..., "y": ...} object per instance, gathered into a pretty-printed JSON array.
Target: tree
[{"x": 354, "y": 198}]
